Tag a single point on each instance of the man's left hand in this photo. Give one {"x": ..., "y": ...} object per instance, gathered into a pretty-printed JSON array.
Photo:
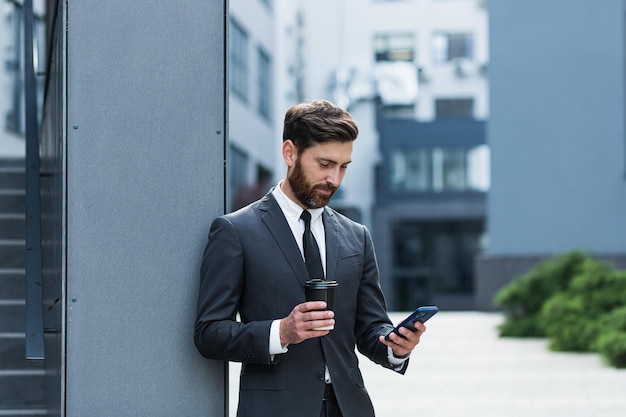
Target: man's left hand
[{"x": 402, "y": 345}]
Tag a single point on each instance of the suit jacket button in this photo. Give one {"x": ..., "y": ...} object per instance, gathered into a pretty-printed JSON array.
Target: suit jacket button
[{"x": 321, "y": 376}]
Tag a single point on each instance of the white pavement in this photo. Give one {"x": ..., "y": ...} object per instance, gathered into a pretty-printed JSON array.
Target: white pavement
[{"x": 462, "y": 368}]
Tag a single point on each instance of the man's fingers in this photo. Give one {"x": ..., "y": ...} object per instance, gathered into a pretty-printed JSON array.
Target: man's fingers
[
  {"x": 305, "y": 317},
  {"x": 311, "y": 306},
  {"x": 420, "y": 326},
  {"x": 318, "y": 315}
]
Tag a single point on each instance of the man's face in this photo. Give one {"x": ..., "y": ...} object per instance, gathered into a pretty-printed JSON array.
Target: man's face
[{"x": 318, "y": 171}]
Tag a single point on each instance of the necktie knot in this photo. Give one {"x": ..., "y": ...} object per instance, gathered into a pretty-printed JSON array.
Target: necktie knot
[{"x": 306, "y": 216}]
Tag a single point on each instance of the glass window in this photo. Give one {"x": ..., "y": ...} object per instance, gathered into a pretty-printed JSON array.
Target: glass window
[
  {"x": 238, "y": 65},
  {"x": 451, "y": 46},
  {"x": 14, "y": 118},
  {"x": 433, "y": 258},
  {"x": 410, "y": 170},
  {"x": 440, "y": 169},
  {"x": 448, "y": 169},
  {"x": 478, "y": 168},
  {"x": 264, "y": 83},
  {"x": 394, "y": 47},
  {"x": 238, "y": 175},
  {"x": 454, "y": 108},
  {"x": 398, "y": 112}
]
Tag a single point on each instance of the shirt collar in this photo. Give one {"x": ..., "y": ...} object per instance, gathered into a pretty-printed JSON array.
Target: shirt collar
[{"x": 290, "y": 208}]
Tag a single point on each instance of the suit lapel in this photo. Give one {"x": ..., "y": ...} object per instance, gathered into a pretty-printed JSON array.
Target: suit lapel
[
  {"x": 332, "y": 243},
  {"x": 277, "y": 225}
]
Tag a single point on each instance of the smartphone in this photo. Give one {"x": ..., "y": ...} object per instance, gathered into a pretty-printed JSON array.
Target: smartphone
[{"x": 421, "y": 314}]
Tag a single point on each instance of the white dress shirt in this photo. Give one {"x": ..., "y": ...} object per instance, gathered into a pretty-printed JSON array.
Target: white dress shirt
[{"x": 292, "y": 212}]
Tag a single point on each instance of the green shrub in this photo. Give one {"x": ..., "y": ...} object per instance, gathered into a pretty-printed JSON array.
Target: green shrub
[
  {"x": 611, "y": 344},
  {"x": 567, "y": 325},
  {"x": 578, "y": 302},
  {"x": 524, "y": 298},
  {"x": 521, "y": 327},
  {"x": 615, "y": 320},
  {"x": 574, "y": 319},
  {"x": 601, "y": 288}
]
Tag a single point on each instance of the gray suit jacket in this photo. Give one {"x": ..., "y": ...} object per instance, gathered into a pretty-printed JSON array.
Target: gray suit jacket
[{"x": 252, "y": 266}]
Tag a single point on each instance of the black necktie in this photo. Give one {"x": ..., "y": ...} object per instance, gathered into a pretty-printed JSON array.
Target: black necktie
[{"x": 311, "y": 250}]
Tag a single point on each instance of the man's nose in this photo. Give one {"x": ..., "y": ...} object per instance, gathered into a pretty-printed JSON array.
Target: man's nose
[{"x": 334, "y": 177}]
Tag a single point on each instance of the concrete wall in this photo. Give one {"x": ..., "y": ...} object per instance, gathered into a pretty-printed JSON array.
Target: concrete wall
[{"x": 144, "y": 159}]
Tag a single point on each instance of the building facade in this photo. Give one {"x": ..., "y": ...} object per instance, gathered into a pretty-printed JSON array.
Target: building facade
[
  {"x": 557, "y": 135},
  {"x": 12, "y": 118},
  {"x": 253, "y": 137},
  {"x": 413, "y": 73}
]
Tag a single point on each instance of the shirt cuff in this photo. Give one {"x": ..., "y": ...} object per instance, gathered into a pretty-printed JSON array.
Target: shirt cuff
[
  {"x": 275, "y": 346},
  {"x": 396, "y": 363}
]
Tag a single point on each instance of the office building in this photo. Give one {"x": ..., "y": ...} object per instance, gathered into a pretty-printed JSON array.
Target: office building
[
  {"x": 254, "y": 139},
  {"x": 413, "y": 73},
  {"x": 557, "y": 134}
]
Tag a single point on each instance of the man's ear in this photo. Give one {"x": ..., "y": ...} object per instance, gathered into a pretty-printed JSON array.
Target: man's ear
[{"x": 290, "y": 152}]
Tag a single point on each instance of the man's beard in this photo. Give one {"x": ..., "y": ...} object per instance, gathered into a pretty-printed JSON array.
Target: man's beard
[{"x": 306, "y": 193}]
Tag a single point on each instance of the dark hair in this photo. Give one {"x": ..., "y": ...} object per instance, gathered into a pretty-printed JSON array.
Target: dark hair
[{"x": 319, "y": 121}]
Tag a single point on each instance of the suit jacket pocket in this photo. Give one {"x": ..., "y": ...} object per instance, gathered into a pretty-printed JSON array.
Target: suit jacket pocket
[
  {"x": 349, "y": 271},
  {"x": 351, "y": 259},
  {"x": 256, "y": 379}
]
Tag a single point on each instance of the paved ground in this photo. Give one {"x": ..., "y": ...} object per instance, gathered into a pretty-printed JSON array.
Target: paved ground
[{"x": 462, "y": 368}]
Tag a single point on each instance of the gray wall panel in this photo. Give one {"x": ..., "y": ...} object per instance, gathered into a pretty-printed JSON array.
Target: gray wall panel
[{"x": 145, "y": 168}]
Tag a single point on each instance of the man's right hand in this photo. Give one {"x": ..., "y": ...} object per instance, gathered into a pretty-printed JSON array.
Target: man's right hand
[{"x": 298, "y": 325}]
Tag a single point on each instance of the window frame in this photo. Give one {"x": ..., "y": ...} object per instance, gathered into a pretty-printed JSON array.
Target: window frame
[
  {"x": 264, "y": 83},
  {"x": 442, "y": 50},
  {"x": 238, "y": 56}
]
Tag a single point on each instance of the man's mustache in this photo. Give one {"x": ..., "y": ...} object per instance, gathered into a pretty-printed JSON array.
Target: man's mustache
[{"x": 326, "y": 187}]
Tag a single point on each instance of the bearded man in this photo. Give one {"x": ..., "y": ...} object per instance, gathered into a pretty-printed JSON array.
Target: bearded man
[{"x": 254, "y": 266}]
